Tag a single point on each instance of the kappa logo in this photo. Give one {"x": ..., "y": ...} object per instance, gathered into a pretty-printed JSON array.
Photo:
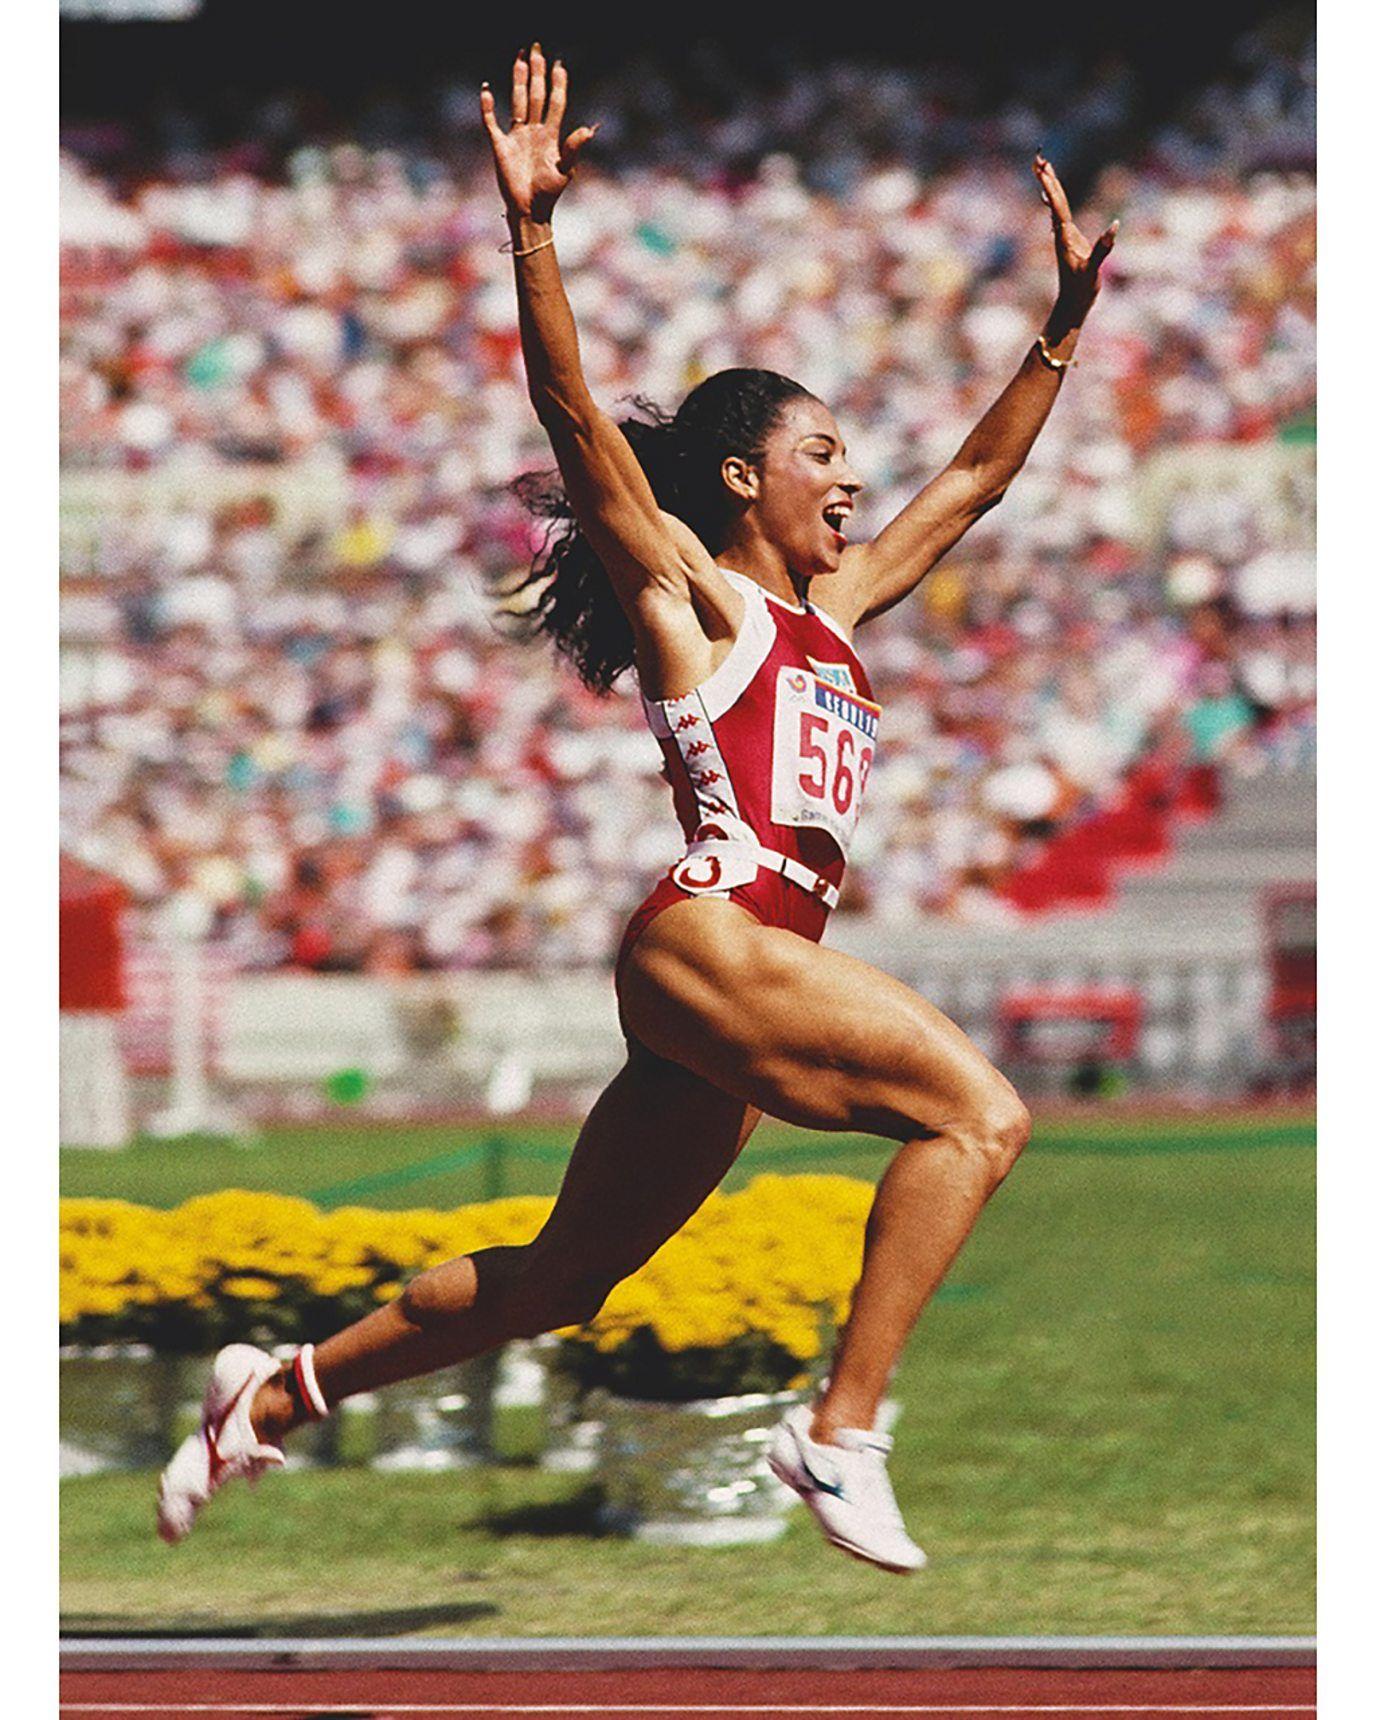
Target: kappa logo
[{"x": 835, "y": 675}]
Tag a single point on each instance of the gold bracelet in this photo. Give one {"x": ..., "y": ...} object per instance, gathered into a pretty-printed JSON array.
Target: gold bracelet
[
  {"x": 1043, "y": 352},
  {"x": 507, "y": 251}
]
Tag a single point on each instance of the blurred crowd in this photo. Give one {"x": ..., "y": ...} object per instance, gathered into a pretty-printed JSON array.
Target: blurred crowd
[{"x": 293, "y": 403}]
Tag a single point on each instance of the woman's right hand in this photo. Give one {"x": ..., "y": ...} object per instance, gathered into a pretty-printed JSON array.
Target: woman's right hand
[{"x": 533, "y": 166}]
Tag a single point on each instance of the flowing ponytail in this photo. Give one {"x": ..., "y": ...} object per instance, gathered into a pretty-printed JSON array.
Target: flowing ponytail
[{"x": 573, "y": 602}]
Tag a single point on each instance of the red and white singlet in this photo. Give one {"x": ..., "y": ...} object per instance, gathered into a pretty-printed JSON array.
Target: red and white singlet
[{"x": 768, "y": 761}]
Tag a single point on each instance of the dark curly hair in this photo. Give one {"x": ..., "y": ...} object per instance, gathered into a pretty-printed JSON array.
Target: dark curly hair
[{"x": 732, "y": 412}]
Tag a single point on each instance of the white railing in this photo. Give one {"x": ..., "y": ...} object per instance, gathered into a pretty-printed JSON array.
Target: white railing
[{"x": 471, "y": 1040}]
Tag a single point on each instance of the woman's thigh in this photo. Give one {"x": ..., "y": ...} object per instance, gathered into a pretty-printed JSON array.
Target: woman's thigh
[
  {"x": 653, "y": 1147},
  {"x": 807, "y": 1034}
]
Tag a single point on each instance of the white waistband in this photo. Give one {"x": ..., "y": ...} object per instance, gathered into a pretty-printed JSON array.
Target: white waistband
[
  {"x": 772, "y": 861},
  {"x": 796, "y": 873}
]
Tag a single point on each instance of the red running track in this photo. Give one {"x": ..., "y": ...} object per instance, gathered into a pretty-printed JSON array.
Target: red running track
[{"x": 704, "y": 1693}]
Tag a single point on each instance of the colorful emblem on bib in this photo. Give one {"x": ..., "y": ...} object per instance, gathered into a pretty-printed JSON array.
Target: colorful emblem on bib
[{"x": 834, "y": 674}]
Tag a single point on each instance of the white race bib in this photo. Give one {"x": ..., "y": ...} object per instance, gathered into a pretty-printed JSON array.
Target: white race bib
[{"x": 824, "y": 741}]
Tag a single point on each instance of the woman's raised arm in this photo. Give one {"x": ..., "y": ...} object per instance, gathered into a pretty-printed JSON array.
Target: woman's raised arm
[
  {"x": 642, "y": 550},
  {"x": 874, "y": 576}
]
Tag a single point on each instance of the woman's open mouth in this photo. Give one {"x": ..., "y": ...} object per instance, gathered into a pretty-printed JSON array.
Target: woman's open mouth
[{"x": 836, "y": 514}]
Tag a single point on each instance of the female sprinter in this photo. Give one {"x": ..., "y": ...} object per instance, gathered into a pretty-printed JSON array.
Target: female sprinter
[{"x": 709, "y": 551}]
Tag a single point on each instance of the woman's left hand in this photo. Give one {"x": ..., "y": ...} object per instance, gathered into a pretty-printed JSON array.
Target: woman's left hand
[{"x": 1077, "y": 261}]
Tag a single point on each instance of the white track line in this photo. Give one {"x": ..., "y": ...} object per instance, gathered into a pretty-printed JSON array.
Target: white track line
[{"x": 384, "y": 1709}]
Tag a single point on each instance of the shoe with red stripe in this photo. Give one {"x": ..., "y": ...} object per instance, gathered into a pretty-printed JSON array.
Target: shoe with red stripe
[
  {"x": 845, "y": 1485},
  {"x": 224, "y": 1447}
]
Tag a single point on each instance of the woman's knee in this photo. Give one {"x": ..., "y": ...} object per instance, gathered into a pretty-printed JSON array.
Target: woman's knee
[
  {"x": 995, "y": 1128},
  {"x": 989, "y": 1124}
]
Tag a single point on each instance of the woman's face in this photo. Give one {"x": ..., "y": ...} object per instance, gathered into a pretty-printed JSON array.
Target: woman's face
[{"x": 805, "y": 489}]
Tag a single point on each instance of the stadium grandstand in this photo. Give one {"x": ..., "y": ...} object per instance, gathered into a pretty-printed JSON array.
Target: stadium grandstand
[{"x": 293, "y": 408}]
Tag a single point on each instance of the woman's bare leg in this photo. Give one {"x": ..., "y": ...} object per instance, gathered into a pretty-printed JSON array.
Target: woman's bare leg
[
  {"x": 654, "y": 1146},
  {"x": 818, "y": 1038},
  {"x": 925, "y": 1207}
]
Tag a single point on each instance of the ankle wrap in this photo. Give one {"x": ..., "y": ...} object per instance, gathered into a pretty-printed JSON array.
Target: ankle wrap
[{"x": 304, "y": 1386}]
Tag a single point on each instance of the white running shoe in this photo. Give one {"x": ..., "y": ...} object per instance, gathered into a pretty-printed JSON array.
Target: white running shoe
[
  {"x": 846, "y": 1487},
  {"x": 224, "y": 1447}
]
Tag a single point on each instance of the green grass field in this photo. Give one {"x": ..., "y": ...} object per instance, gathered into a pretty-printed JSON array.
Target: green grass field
[
  {"x": 447, "y": 1164},
  {"x": 1108, "y": 1425}
]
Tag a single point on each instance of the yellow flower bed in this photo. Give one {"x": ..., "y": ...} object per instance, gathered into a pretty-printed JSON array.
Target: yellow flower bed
[
  {"x": 775, "y": 1262},
  {"x": 779, "y": 1259}
]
